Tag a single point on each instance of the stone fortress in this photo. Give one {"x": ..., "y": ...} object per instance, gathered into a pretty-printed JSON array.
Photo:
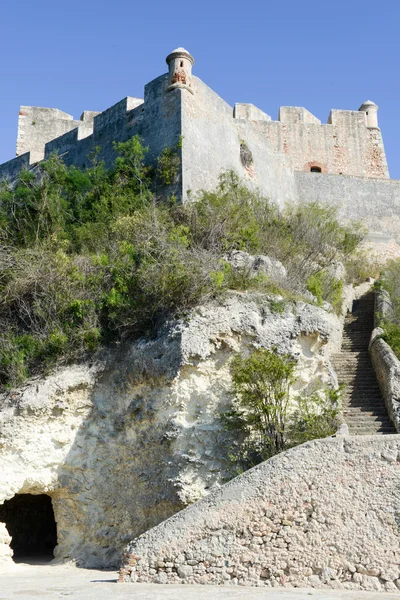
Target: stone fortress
[
  {"x": 296, "y": 158},
  {"x": 122, "y": 443}
]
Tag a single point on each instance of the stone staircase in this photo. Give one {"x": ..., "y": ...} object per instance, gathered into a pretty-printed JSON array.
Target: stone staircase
[{"x": 364, "y": 409}]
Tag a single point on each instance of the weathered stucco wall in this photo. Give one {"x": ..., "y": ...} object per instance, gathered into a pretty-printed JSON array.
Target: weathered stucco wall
[
  {"x": 125, "y": 442},
  {"x": 324, "y": 514},
  {"x": 374, "y": 202},
  {"x": 37, "y": 126},
  {"x": 211, "y": 144},
  {"x": 345, "y": 145}
]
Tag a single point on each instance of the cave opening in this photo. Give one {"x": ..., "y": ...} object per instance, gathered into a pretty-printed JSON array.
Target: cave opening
[{"x": 29, "y": 519}]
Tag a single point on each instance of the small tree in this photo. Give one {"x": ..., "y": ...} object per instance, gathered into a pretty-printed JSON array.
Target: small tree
[
  {"x": 315, "y": 416},
  {"x": 261, "y": 384},
  {"x": 260, "y": 418}
]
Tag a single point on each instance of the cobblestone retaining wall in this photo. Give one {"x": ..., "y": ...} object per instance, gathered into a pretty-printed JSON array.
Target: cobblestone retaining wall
[{"x": 324, "y": 514}]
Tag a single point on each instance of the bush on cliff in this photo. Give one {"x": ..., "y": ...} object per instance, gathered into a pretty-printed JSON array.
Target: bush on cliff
[
  {"x": 92, "y": 256},
  {"x": 390, "y": 281},
  {"x": 263, "y": 417}
]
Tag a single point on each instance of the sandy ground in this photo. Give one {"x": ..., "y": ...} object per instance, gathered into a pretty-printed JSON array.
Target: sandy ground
[{"x": 23, "y": 582}]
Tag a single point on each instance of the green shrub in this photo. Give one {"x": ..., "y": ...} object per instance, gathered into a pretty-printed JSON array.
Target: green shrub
[
  {"x": 261, "y": 384},
  {"x": 260, "y": 420},
  {"x": 390, "y": 282},
  {"x": 93, "y": 257},
  {"x": 327, "y": 288},
  {"x": 362, "y": 264},
  {"x": 168, "y": 164},
  {"x": 315, "y": 417},
  {"x": 391, "y": 335}
]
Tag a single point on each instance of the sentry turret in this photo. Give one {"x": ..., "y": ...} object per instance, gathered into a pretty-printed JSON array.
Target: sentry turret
[
  {"x": 371, "y": 112},
  {"x": 180, "y": 63}
]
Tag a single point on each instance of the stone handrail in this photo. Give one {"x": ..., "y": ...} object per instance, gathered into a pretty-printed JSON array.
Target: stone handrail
[{"x": 384, "y": 360}]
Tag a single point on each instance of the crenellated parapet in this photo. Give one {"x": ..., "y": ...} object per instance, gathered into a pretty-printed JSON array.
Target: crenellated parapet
[
  {"x": 37, "y": 126},
  {"x": 267, "y": 153},
  {"x": 350, "y": 143}
]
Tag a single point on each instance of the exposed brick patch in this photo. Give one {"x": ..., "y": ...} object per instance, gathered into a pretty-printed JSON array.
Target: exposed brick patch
[{"x": 179, "y": 77}]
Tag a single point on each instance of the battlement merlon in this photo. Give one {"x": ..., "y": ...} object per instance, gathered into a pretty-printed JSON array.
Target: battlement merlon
[
  {"x": 350, "y": 143},
  {"x": 38, "y": 125}
]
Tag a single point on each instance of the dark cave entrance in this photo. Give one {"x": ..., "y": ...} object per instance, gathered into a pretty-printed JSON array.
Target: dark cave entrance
[{"x": 30, "y": 521}]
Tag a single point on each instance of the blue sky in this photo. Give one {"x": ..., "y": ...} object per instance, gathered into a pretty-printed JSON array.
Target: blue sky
[{"x": 87, "y": 55}]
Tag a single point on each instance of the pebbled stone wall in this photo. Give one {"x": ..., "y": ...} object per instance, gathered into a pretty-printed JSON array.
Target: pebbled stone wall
[{"x": 325, "y": 515}]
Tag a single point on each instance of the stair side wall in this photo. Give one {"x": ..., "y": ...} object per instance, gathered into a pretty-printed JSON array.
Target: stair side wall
[
  {"x": 319, "y": 515},
  {"x": 384, "y": 360}
]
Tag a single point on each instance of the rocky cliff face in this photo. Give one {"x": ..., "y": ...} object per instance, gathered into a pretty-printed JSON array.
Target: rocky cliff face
[{"x": 124, "y": 442}]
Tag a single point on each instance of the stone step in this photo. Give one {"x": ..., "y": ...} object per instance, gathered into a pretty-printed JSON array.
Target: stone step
[
  {"x": 354, "y": 334},
  {"x": 369, "y": 431},
  {"x": 352, "y": 348},
  {"x": 366, "y": 421},
  {"x": 359, "y": 411},
  {"x": 362, "y": 394},
  {"x": 367, "y": 404},
  {"x": 352, "y": 361},
  {"x": 351, "y": 374},
  {"x": 363, "y": 408},
  {"x": 351, "y": 386},
  {"x": 363, "y": 356},
  {"x": 376, "y": 426}
]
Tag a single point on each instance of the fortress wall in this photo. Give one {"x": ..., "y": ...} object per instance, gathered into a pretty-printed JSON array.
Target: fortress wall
[
  {"x": 11, "y": 168},
  {"x": 343, "y": 146},
  {"x": 62, "y": 145},
  {"x": 323, "y": 514},
  {"x": 157, "y": 120},
  {"x": 211, "y": 143},
  {"x": 161, "y": 123},
  {"x": 37, "y": 126},
  {"x": 374, "y": 202},
  {"x": 96, "y": 130}
]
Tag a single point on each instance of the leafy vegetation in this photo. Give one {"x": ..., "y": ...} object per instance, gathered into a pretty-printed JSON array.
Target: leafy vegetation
[
  {"x": 326, "y": 287},
  {"x": 91, "y": 257},
  {"x": 260, "y": 416},
  {"x": 390, "y": 281},
  {"x": 362, "y": 264},
  {"x": 168, "y": 164}
]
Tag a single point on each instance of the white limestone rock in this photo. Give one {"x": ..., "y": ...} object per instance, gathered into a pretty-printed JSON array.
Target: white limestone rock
[
  {"x": 129, "y": 439},
  {"x": 257, "y": 264},
  {"x": 5, "y": 540}
]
